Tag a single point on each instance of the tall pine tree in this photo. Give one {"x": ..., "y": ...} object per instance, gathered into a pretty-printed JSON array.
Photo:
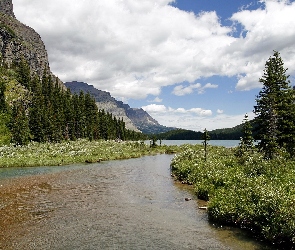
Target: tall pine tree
[{"x": 275, "y": 109}]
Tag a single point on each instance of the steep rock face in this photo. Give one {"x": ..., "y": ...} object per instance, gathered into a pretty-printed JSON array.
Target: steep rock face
[
  {"x": 103, "y": 100},
  {"x": 145, "y": 122},
  {"x": 6, "y": 7},
  {"x": 134, "y": 118},
  {"x": 18, "y": 41}
]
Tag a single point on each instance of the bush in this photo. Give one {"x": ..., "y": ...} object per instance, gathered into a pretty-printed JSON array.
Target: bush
[{"x": 251, "y": 193}]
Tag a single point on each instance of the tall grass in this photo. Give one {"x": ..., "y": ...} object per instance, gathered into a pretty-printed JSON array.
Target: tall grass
[
  {"x": 52, "y": 154},
  {"x": 248, "y": 192}
]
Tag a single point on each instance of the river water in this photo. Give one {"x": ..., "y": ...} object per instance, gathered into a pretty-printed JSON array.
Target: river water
[{"x": 128, "y": 204}]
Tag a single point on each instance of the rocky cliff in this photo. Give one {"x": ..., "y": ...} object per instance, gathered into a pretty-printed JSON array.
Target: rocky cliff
[
  {"x": 6, "y": 7},
  {"x": 18, "y": 41},
  {"x": 135, "y": 118},
  {"x": 103, "y": 100}
]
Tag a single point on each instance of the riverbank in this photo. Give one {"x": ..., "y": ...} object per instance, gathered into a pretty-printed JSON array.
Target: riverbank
[
  {"x": 247, "y": 192},
  {"x": 80, "y": 151}
]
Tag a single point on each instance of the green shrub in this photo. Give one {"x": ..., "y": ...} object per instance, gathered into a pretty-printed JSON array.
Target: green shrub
[{"x": 248, "y": 192}]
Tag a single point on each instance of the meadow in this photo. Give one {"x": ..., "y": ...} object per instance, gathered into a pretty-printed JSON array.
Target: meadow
[
  {"x": 247, "y": 191},
  {"x": 79, "y": 151}
]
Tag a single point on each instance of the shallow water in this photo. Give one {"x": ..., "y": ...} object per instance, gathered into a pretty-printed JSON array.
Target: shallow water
[{"x": 129, "y": 204}]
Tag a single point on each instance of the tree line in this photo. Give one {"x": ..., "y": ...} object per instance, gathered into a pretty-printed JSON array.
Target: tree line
[{"x": 42, "y": 110}]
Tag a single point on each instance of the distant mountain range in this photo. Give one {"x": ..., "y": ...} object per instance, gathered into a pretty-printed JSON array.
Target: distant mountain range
[{"x": 135, "y": 118}]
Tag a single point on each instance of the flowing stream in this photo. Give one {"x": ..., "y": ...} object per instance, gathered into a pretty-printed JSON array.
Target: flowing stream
[{"x": 128, "y": 204}]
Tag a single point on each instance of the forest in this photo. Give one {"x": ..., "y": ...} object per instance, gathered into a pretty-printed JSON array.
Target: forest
[
  {"x": 234, "y": 133},
  {"x": 42, "y": 110}
]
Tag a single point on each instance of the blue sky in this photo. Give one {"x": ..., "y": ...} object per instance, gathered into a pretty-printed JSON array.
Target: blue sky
[{"x": 190, "y": 64}]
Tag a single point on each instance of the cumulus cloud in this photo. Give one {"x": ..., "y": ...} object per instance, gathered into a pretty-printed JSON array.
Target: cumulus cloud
[
  {"x": 196, "y": 119},
  {"x": 134, "y": 48},
  {"x": 181, "y": 90},
  {"x": 154, "y": 108},
  {"x": 157, "y": 99}
]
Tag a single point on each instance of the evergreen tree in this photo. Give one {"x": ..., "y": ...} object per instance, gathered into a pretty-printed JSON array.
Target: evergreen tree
[
  {"x": 91, "y": 113},
  {"x": 103, "y": 127},
  {"x": 3, "y": 105},
  {"x": 69, "y": 116},
  {"x": 23, "y": 73},
  {"x": 5, "y": 136},
  {"x": 247, "y": 140},
  {"x": 275, "y": 108},
  {"x": 206, "y": 138},
  {"x": 19, "y": 125},
  {"x": 36, "y": 112}
]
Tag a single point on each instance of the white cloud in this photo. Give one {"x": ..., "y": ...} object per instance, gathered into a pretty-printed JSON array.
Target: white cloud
[
  {"x": 157, "y": 99},
  {"x": 181, "y": 90},
  {"x": 117, "y": 45},
  {"x": 135, "y": 48},
  {"x": 154, "y": 108},
  {"x": 196, "y": 119},
  {"x": 113, "y": 43}
]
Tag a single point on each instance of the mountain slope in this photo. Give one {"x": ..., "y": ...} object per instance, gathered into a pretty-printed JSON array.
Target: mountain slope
[
  {"x": 20, "y": 42},
  {"x": 135, "y": 119}
]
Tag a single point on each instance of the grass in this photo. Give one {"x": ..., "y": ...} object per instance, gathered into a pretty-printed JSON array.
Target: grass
[
  {"x": 248, "y": 192},
  {"x": 53, "y": 154}
]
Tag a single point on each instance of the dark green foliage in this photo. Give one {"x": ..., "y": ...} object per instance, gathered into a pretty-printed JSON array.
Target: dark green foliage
[
  {"x": 234, "y": 133},
  {"x": 23, "y": 73},
  {"x": 257, "y": 195},
  {"x": 37, "y": 113},
  {"x": 180, "y": 134},
  {"x": 247, "y": 140},
  {"x": 275, "y": 109},
  {"x": 53, "y": 114},
  {"x": 206, "y": 138},
  {"x": 19, "y": 124},
  {"x": 3, "y": 104}
]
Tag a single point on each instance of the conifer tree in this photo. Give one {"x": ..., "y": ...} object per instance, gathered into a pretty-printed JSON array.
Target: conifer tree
[
  {"x": 247, "y": 140},
  {"x": 275, "y": 109},
  {"x": 36, "y": 112},
  {"x": 206, "y": 138},
  {"x": 19, "y": 125},
  {"x": 3, "y": 105},
  {"x": 23, "y": 73}
]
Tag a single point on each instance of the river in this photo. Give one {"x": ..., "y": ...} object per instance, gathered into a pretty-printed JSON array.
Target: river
[{"x": 126, "y": 204}]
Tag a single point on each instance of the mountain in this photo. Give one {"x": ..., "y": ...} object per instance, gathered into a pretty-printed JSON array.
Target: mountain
[
  {"x": 20, "y": 42},
  {"x": 135, "y": 118}
]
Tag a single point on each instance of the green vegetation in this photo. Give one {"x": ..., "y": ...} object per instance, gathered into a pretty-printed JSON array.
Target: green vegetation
[
  {"x": 250, "y": 192},
  {"x": 206, "y": 138},
  {"x": 275, "y": 109},
  {"x": 79, "y": 151},
  {"x": 234, "y": 133},
  {"x": 41, "y": 110},
  {"x": 252, "y": 187}
]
